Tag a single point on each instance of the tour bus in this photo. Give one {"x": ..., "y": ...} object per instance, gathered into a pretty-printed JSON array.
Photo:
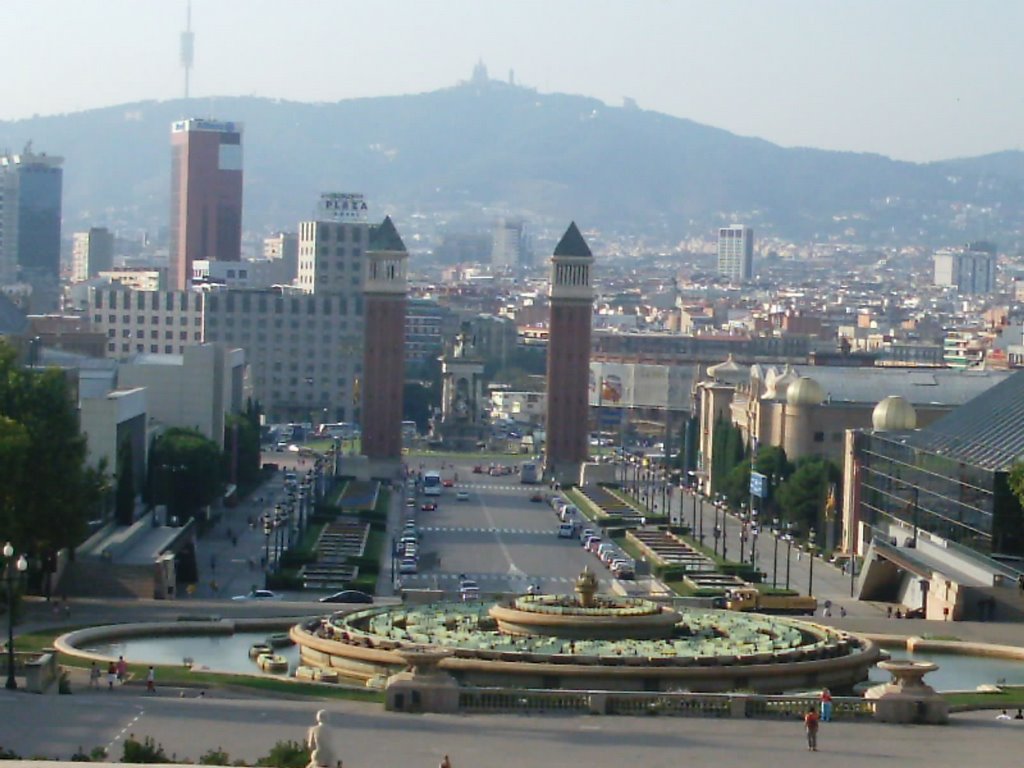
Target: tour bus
[
  {"x": 529, "y": 472},
  {"x": 432, "y": 483}
]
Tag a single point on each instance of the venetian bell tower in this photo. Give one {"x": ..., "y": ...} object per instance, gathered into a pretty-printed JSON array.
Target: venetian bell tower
[
  {"x": 384, "y": 293},
  {"x": 571, "y": 297}
]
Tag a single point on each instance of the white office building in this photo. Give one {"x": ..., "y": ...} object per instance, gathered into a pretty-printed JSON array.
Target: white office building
[{"x": 736, "y": 252}]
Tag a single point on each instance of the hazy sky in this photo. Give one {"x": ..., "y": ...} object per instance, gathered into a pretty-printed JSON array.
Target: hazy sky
[{"x": 913, "y": 79}]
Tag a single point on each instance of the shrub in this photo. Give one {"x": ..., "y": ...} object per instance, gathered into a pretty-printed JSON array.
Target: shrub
[
  {"x": 286, "y": 754},
  {"x": 215, "y": 757},
  {"x": 146, "y": 751}
]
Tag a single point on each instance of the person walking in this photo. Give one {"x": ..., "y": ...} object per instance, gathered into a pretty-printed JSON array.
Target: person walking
[
  {"x": 826, "y": 705},
  {"x": 151, "y": 679},
  {"x": 94, "y": 675},
  {"x": 111, "y": 675},
  {"x": 811, "y": 727},
  {"x": 445, "y": 763},
  {"x": 122, "y": 669}
]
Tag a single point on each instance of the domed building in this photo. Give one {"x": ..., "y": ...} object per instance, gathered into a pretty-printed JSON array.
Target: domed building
[{"x": 807, "y": 410}]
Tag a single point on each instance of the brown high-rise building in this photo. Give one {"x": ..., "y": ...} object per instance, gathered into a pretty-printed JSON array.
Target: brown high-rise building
[
  {"x": 571, "y": 299},
  {"x": 384, "y": 292},
  {"x": 206, "y": 196}
]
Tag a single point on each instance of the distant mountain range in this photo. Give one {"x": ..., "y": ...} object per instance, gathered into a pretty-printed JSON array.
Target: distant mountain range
[{"x": 475, "y": 151}]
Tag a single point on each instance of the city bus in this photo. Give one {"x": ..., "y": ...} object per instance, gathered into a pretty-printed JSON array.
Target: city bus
[
  {"x": 432, "y": 483},
  {"x": 529, "y": 472}
]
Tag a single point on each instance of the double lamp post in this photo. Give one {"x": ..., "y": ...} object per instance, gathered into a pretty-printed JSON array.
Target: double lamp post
[{"x": 13, "y": 569}]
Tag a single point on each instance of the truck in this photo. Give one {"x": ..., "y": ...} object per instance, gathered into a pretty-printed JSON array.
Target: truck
[{"x": 750, "y": 599}]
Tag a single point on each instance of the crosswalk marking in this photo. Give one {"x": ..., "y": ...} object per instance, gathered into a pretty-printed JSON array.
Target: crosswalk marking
[
  {"x": 471, "y": 529},
  {"x": 483, "y": 577}
]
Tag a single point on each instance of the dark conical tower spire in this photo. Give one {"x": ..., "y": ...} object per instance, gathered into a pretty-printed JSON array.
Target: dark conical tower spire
[
  {"x": 572, "y": 243},
  {"x": 385, "y": 237}
]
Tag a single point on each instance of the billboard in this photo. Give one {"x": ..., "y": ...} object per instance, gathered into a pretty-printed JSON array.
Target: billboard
[{"x": 632, "y": 385}]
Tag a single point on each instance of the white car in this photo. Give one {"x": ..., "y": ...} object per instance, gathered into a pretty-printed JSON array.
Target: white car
[
  {"x": 408, "y": 565},
  {"x": 259, "y": 594},
  {"x": 462, "y": 496}
]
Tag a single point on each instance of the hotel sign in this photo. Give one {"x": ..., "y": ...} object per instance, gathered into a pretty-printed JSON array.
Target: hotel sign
[{"x": 341, "y": 206}]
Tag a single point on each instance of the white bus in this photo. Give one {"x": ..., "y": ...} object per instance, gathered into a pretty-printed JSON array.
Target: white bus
[
  {"x": 432, "y": 483},
  {"x": 529, "y": 472}
]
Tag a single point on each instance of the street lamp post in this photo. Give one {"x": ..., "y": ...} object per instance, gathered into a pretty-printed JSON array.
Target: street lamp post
[
  {"x": 789, "y": 549},
  {"x": 810, "y": 574},
  {"x": 753, "y": 549},
  {"x": 12, "y": 571},
  {"x": 693, "y": 495},
  {"x": 725, "y": 517},
  {"x": 743, "y": 542},
  {"x": 775, "y": 556}
]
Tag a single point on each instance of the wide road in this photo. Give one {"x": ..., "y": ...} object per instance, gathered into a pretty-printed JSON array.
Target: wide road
[
  {"x": 497, "y": 537},
  {"x": 365, "y": 735}
]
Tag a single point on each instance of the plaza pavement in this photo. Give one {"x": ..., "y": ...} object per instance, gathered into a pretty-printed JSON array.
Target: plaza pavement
[{"x": 364, "y": 735}]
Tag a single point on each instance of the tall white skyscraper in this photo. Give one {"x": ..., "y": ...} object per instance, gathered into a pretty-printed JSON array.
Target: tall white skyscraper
[{"x": 736, "y": 252}]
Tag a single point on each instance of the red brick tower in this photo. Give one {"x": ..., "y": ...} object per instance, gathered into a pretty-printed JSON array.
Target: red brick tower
[
  {"x": 571, "y": 297},
  {"x": 384, "y": 290}
]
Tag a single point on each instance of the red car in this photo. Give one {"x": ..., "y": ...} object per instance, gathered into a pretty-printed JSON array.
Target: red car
[
  {"x": 429, "y": 506},
  {"x": 478, "y": 470},
  {"x": 447, "y": 483}
]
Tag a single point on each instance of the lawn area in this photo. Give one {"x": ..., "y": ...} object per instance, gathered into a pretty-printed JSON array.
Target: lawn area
[{"x": 1010, "y": 697}]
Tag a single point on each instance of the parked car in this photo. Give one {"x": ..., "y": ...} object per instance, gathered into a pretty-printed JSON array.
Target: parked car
[
  {"x": 593, "y": 543},
  {"x": 537, "y": 497},
  {"x": 478, "y": 470},
  {"x": 585, "y": 534},
  {"x": 347, "y": 596}
]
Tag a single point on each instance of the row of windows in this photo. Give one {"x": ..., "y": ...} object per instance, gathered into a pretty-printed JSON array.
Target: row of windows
[
  {"x": 185, "y": 301},
  {"x": 141, "y": 320},
  {"x": 325, "y": 304},
  {"x": 153, "y": 348},
  {"x": 127, "y": 334}
]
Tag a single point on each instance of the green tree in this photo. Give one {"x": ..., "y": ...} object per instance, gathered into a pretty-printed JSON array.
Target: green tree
[
  {"x": 417, "y": 404},
  {"x": 124, "y": 500},
  {"x": 243, "y": 428},
  {"x": 187, "y": 468},
  {"x": 801, "y": 498},
  {"x": 49, "y": 493}
]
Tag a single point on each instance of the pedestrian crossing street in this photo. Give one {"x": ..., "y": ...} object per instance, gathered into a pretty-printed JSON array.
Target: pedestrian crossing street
[{"x": 475, "y": 529}]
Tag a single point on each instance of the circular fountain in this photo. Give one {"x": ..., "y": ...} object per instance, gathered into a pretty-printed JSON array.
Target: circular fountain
[
  {"x": 588, "y": 616},
  {"x": 588, "y": 641}
]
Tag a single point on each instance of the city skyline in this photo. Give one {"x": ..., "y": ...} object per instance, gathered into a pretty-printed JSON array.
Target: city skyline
[{"x": 865, "y": 77}]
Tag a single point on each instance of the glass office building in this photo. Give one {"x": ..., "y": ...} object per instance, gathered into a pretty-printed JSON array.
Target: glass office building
[{"x": 951, "y": 478}]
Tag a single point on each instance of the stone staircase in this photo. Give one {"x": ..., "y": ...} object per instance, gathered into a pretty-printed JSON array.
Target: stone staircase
[{"x": 98, "y": 578}]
